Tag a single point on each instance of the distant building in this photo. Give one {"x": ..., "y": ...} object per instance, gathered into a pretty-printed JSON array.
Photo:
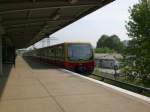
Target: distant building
[
  {"x": 105, "y": 60},
  {"x": 126, "y": 43}
]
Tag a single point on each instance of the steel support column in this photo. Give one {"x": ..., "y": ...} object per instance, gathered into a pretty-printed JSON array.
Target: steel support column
[
  {"x": 1, "y": 64},
  {"x": 1, "y": 48}
]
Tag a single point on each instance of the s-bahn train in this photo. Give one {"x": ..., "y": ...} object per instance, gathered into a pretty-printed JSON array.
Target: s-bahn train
[{"x": 78, "y": 57}]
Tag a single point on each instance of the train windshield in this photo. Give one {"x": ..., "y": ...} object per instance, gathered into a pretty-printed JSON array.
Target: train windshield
[{"x": 77, "y": 52}]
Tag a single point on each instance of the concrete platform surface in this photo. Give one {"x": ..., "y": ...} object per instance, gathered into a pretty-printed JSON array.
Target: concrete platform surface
[{"x": 35, "y": 87}]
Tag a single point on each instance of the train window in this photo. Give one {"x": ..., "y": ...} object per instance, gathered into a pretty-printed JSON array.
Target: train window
[
  {"x": 40, "y": 53},
  {"x": 59, "y": 52},
  {"x": 44, "y": 53},
  {"x": 52, "y": 54},
  {"x": 80, "y": 52},
  {"x": 56, "y": 52}
]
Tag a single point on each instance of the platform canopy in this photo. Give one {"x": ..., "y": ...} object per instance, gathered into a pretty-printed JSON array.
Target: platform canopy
[{"x": 28, "y": 21}]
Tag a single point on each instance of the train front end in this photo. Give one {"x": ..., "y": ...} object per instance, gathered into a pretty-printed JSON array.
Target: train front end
[{"x": 80, "y": 57}]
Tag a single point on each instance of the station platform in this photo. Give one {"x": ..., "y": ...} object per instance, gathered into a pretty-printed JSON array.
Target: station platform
[{"x": 31, "y": 86}]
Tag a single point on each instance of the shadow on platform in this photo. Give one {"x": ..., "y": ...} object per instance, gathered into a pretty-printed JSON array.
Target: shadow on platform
[
  {"x": 37, "y": 64},
  {"x": 4, "y": 78}
]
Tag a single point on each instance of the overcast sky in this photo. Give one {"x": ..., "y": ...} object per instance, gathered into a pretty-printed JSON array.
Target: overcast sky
[{"x": 107, "y": 20}]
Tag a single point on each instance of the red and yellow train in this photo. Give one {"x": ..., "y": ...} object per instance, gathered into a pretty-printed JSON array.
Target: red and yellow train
[{"x": 78, "y": 57}]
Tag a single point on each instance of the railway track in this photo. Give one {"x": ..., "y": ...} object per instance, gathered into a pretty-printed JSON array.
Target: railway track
[{"x": 127, "y": 86}]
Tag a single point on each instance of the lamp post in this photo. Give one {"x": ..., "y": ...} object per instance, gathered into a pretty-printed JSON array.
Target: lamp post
[
  {"x": 148, "y": 2},
  {"x": 46, "y": 41},
  {"x": 43, "y": 41}
]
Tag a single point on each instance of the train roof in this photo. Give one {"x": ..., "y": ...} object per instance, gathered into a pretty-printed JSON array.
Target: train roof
[
  {"x": 76, "y": 43},
  {"x": 66, "y": 43},
  {"x": 60, "y": 44}
]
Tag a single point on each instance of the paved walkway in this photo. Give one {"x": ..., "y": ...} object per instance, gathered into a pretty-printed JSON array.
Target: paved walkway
[{"x": 34, "y": 87}]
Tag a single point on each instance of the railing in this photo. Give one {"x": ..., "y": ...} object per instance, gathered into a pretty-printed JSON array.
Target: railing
[{"x": 131, "y": 87}]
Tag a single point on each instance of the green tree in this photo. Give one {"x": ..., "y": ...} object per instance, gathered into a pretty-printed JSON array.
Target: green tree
[
  {"x": 102, "y": 41},
  {"x": 116, "y": 44},
  {"x": 112, "y": 42},
  {"x": 138, "y": 28}
]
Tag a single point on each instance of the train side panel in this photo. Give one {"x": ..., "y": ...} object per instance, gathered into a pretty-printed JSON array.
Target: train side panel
[{"x": 58, "y": 55}]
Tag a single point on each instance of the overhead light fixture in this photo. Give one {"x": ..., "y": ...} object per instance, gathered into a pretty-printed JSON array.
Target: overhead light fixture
[
  {"x": 56, "y": 17},
  {"x": 73, "y": 1}
]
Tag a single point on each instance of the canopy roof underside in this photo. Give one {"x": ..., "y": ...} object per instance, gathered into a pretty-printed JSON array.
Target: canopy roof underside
[{"x": 28, "y": 21}]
